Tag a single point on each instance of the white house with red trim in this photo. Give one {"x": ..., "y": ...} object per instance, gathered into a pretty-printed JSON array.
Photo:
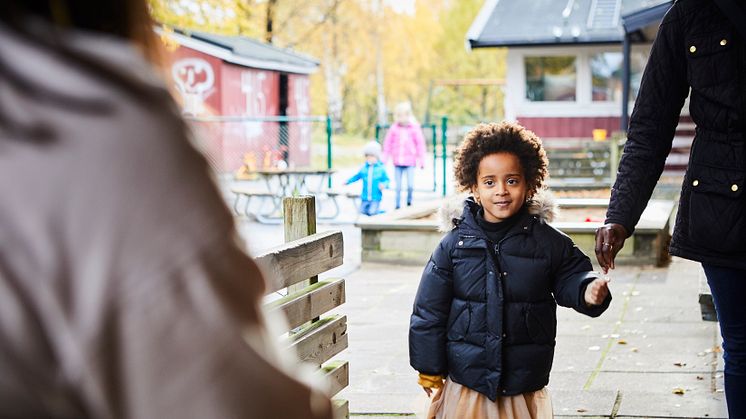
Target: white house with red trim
[{"x": 566, "y": 64}]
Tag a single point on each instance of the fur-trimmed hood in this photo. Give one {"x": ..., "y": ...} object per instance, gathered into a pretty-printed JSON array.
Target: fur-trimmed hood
[{"x": 543, "y": 205}]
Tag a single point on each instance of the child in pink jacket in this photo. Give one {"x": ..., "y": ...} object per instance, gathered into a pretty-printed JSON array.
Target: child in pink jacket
[{"x": 405, "y": 146}]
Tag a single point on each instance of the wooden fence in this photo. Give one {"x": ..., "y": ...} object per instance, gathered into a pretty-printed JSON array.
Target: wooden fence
[{"x": 315, "y": 336}]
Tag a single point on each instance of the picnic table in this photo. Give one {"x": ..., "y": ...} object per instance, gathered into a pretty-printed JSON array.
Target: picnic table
[
  {"x": 280, "y": 183},
  {"x": 286, "y": 182}
]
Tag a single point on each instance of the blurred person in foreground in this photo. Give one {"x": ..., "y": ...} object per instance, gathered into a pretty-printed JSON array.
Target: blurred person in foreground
[{"x": 123, "y": 290}]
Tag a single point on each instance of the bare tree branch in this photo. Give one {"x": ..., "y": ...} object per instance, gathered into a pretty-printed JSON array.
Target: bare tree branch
[{"x": 324, "y": 18}]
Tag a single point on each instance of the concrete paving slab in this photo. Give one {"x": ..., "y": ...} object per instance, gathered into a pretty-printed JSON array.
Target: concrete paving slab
[
  {"x": 654, "y": 394},
  {"x": 379, "y": 299},
  {"x": 659, "y": 347},
  {"x": 579, "y": 403}
]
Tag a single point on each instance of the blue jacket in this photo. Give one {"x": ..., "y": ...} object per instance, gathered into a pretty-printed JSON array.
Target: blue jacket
[
  {"x": 372, "y": 175},
  {"x": 485, "y": 313}
]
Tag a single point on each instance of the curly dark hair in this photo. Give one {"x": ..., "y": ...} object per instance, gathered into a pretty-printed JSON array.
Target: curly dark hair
[{"x": 503, "y": 137}]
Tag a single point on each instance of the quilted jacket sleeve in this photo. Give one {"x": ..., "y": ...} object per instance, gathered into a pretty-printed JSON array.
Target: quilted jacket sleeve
[
  {"x": 572, "y": 276},
  {"x": 663, "y": 89},
  {"x": 427, "y": 327}
]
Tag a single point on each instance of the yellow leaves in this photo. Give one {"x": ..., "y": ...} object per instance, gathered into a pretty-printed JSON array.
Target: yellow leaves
[
  {"x": 678, "y": 390},
  {"x": 169, "y": 42},
  {"x": 417, "y": 46}
]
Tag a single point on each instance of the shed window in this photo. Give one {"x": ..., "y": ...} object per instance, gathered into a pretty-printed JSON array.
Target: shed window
[
  {"x": 550, "y": 78},
  {"x": 606, "y": 74}
]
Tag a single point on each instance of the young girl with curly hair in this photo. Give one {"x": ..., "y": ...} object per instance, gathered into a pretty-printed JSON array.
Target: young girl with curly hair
[{"x": 484, "y": 322}]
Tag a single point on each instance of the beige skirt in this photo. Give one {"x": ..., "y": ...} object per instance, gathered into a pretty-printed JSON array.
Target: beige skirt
[{"x": 457, "y": 401}]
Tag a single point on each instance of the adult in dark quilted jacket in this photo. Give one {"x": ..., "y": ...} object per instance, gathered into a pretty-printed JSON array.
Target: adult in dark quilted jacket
[{"x": 697, "y": 48}]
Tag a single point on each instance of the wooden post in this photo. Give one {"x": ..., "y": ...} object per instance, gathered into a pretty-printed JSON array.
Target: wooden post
[{"x": 299, "y": 221}]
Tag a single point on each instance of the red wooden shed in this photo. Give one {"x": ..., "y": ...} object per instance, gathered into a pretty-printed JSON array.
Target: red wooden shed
[{"x": 233, "y": 88}]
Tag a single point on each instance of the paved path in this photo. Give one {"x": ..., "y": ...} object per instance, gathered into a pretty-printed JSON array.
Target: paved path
[{"x": 629, "y": 363}]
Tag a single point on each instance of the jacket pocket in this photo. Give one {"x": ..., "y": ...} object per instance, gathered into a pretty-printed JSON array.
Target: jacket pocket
[
  {"x": 710, "y": 59},
  {"x": 717, "y": 205},
  {"x": 541, "y": 322}
]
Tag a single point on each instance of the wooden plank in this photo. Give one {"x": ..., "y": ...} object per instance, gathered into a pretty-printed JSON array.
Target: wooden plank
[
  {"x": 341, "y": 409},
  {"x": 338, "y": 374},
  {"x": 299, "y": 213},
  {"x": 301, "y": 259},
  {"x": 310, "y": 302},
  {"x": 321, "y": 340}
]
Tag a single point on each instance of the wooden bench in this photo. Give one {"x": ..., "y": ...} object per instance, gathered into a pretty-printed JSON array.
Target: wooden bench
[
  {"x": 315, "y": 336},
  {"x": 251, "y": 193},
  {"x": 590, "y": 160},
  {"x": 333, "y": 195}
]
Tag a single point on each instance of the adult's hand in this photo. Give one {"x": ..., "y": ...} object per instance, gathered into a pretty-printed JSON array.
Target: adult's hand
[{"x": 609, "y": 241}]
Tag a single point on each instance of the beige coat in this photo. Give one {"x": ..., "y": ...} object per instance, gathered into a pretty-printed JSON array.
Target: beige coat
[{"x": 123, "y": 292}]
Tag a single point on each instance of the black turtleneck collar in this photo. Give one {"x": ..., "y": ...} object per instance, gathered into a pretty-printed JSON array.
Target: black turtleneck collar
[{"x": 496, "y": 231}]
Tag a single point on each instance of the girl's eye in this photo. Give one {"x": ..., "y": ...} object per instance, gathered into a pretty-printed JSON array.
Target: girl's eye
[
  {"x": 489, "y": 182},
  {"x": 513, "y": 181}
]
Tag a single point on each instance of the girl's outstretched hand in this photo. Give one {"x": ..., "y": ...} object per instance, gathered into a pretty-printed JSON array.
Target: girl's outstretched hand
[
  {"x": 429, "y": 382},
  {"x": 597, "y": 291}
]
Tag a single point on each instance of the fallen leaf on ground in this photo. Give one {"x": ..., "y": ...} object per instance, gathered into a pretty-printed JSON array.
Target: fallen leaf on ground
[
  {"x": 700, "y": 378},
  {"x": 581, "y": 410},
  {"x": 622, "y": 342},
  {"x": 634, "y": 349},
  {"x": 678, "y": 390},
  {"x": 680, "y": 364}
]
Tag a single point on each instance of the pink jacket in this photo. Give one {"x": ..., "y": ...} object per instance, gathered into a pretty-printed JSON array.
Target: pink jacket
[{"x": 405, "y": 145}]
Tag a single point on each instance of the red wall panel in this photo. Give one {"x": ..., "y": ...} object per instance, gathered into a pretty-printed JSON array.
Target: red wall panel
[{"x": 569, "y": 127}]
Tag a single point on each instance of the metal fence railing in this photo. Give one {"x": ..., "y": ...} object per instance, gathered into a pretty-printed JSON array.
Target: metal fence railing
[{"x": 436, "y": 141}]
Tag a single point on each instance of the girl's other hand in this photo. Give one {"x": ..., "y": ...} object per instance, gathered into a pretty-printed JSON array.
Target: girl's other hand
[
  {"x": 597, "y": 291},
  {"x": 429, "y": 382}
]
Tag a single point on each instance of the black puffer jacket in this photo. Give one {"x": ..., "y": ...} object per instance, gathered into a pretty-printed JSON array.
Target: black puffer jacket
[
  {"x": 485, "y": 313},
  {"x": 696, "y": 46}
]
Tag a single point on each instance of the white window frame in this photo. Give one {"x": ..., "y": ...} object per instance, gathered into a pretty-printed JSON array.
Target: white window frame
[{"x": 516, "y": 103}]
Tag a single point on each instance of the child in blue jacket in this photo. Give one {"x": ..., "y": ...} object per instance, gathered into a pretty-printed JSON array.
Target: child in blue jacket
[{"x": 374, "y": 177}]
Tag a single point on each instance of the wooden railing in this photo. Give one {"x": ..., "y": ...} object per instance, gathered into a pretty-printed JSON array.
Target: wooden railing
[{"x": 295, "y": 266}]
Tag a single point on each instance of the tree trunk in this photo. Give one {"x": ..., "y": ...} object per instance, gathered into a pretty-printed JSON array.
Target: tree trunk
[
  {"x": 333, "y": 73},
  {"x": 380, "y": 94},
  {"x": 269, "y": 32}
]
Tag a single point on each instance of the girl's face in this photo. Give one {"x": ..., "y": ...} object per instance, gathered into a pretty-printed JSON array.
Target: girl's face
[
  {"x": 501, "y": 187},
  {"x": 403, "y": 116}
]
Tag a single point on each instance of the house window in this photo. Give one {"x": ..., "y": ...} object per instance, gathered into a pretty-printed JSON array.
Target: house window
[
  {"x": 550, "y": 78},
  {"x": 606, "y": 74}
]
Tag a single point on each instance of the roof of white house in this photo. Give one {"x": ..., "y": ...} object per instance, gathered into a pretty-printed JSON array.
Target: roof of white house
[
  {"x": 246, "y": 52},
  {"x": 560, "y": 22}
]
